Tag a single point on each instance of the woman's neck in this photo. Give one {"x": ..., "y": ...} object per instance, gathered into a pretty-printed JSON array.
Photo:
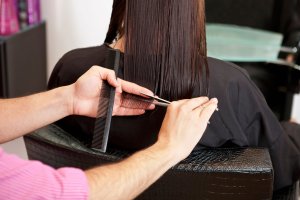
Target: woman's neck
[{"x": 119, "y": 44}]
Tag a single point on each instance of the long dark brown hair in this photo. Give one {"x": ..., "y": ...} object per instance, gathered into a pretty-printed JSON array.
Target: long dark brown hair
[{"x": 165, "y": 45}]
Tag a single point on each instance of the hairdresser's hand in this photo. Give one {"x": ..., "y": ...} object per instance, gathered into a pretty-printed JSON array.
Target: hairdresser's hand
[
  {"x": 86, "y": 93},
  {"x": 184, "y": 125}
]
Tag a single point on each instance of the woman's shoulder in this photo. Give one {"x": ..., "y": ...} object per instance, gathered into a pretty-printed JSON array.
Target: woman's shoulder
[
  {"x": 89, "y": 53},
  {"x": 227, "y": 78},
  {"x": 224, "y": 73},
  {"x": 226, "y": 69},
  {"x": 75, "y": 63}
]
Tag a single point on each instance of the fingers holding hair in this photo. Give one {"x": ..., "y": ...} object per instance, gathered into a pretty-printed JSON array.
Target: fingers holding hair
[
  {"x": 206, "y": 110},
  {"x": 202, "y": 107},
  {"x": 192, "y": 104}
]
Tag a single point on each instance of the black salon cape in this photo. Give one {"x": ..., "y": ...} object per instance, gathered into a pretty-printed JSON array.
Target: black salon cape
[{"x": 244, "y": 118}]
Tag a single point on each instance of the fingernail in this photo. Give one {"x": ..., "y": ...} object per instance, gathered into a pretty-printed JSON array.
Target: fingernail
[
  {"x": 151, "y": 107},
  {"x": 214, "y": 100},
  {"x": 150, "y": 92},
  {"x": 217, "y": 109},
  {"x": 118, "y": 81},
  {"x": 208, "y": 122},
  {"x": 119, "y": 89}
]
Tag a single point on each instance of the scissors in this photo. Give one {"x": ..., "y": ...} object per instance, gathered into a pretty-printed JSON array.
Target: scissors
[{"x": 159, "y": 101}]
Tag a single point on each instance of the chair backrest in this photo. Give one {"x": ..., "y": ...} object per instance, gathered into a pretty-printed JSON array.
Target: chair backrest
[{"x": 231, "y": 173}]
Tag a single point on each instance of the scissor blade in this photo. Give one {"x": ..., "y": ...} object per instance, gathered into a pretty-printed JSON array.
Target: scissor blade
[{"x": 156, "y": 98}]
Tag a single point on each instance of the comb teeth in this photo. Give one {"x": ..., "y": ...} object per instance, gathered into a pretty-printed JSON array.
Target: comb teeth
[
  {"x": 98, "y": 139},
  {"x": 102, "y": 123},
  {"x": 135, "y": 102}
]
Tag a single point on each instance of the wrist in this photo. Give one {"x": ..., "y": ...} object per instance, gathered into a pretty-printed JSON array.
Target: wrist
[
  {"x": 167, "y": 151},
  {"x": 67, "y": 99}
]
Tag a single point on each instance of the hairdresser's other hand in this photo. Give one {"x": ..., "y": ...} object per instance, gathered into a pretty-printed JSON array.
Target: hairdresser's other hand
[
  {"x": 86, "y": 93},
  {"x": 184, "y": 125}
]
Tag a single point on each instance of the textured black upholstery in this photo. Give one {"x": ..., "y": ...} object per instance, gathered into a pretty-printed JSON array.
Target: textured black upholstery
[{"x": 239, "y": 173}]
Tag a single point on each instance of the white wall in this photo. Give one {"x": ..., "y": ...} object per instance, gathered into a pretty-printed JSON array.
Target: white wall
[
  {"x": 73, "y": 24},
  {"x": 296, "y": 108}
]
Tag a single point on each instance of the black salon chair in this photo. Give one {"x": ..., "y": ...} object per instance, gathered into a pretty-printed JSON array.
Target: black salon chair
[
  {"x": 278, "y": 83},
  {"x": 227, "y": 173}
]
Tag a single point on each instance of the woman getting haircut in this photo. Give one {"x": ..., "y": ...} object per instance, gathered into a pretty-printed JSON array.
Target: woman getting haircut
[{"x": 164, "y": 49}]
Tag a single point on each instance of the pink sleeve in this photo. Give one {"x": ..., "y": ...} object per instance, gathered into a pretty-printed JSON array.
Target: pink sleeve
[{"x": 22, "y": 179}]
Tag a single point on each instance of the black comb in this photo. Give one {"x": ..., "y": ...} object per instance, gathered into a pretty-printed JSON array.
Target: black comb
[{"x": 105, "y": 107}]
